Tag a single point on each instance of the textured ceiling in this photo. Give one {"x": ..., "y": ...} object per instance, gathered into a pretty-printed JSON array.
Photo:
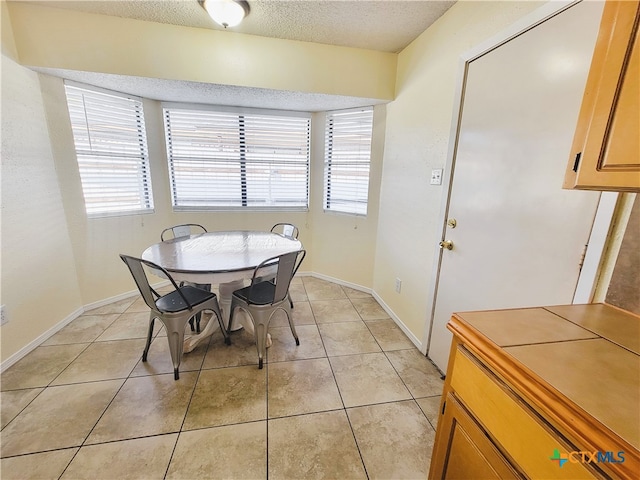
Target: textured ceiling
[{"x": 386, "y": 25}]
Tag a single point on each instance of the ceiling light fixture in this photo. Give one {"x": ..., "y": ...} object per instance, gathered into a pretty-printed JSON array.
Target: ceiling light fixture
[{"x": 227, "y": 13}]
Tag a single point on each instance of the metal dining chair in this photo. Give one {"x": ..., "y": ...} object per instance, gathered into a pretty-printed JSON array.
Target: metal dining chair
[
  {"x": 185, "y": 230},
  {"x": 182, "y": 230},
  {"x": 263, "y": 298},
  {"x": 173, "y": 309},
  {"x": 288, "y": 230}
]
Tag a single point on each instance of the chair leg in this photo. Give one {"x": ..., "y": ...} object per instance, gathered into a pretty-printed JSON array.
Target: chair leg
[
  {"x": 225, "y": 334},
  {"x": 175, "y": 337},
  {"x": 292, "y": 325},
  {"x": 232, "y": 310},
  {"x": 194, "y": 322},
  {"x": 261, "y": 340},
  {"x": 261, "y": 320},
  {"x": 195, "y": 319},
  {"x": 203, "y": 286},
  {"x": 149, "y": 336}
]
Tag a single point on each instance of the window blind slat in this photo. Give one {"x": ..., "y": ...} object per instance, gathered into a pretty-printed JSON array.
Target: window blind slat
[
  {"x": 221, "y": 159},
  {"x": 111, "y": 149},
  {"x": 347, "y": 160}
]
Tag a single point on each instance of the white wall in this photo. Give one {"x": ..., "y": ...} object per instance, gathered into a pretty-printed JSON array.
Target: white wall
[
  {"x": 345, "y": 244},
  {"x": 417, "y": 140},
  {"x": 396, "y": 240},
  {"x": 38, "y": 271},
  {"x": 77, "y": 258},
  {"x": 65, "y": 39},
  {"x": 97, "y": 242},
  {"x": 338, "y": 246}
]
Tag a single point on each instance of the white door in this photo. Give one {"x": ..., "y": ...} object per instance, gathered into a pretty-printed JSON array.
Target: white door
[{"x": 519, "y": 237}]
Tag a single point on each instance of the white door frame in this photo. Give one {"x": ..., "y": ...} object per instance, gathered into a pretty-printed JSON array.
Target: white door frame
[{"x": 604, "y": 214}]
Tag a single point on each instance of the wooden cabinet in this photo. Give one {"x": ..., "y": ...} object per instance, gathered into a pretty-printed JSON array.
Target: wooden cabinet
[
  {"x": 529, "y": 393},
  {"x": 509, "y": 439},
  {"x": 605, "y": 154},
  {"x": 470, "y": 453}
]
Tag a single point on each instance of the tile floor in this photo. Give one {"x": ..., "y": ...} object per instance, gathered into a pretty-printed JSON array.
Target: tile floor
[{"x": 355, "y": 400}]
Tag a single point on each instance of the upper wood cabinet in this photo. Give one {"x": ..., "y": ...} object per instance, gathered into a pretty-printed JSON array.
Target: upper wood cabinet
[{"x": 605, "y": 154}]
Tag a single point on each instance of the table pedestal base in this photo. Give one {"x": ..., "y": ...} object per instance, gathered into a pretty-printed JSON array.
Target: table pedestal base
[{"x": 241, "y": 320}]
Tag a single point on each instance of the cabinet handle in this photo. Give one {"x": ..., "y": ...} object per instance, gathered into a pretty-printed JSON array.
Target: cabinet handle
[
  {"x": 577, "y": 162},
  {"x": 444, "y": 405}
]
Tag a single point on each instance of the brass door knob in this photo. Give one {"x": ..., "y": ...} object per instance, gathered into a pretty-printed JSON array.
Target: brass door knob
[{"x": 448, "y": 244}]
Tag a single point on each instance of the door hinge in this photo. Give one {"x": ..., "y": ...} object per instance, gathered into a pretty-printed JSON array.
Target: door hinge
[
  {"x": 444, "y": 405},
  {"x": 582, "y": 257},
  {"x": 576, "y": 162}
]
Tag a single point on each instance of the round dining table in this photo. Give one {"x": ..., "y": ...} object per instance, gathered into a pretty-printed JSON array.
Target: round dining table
[{"x": 226, "y": 258}]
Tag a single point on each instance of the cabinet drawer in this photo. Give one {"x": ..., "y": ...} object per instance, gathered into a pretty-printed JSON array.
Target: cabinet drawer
[{"x": 529, "y": 442}]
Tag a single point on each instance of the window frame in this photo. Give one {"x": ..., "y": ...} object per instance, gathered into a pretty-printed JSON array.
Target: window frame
[
  {"x": 344, "y": 205},
  {"x": 140, "y": 163},
  {"x": 245, "y": 203}
]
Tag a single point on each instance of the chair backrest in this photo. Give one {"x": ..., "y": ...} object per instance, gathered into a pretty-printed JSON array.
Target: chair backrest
[
  {"x": 287, "y": 265},
  {"x": 136, "y": 267},
  {"x": 288, "y": 230},
  {"x": 182, "y": 230}
]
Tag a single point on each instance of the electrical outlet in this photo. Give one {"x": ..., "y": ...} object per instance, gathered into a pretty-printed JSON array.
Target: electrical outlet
[
  {"x": 398, "y": 285},
  {"x": 3, "y": 315}
]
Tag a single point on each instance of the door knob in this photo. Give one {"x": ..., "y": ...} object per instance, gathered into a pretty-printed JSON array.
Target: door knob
[{"x": 448, "y": 244}]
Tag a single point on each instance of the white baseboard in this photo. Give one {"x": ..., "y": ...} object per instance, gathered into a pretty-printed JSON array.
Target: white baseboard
[
  {"x": 39, "y": 340},
  {"x": 122, "y": 296},
  {"x": 107, "y": 301},
  {"x": 67, "y": 320},
  {"x": 336, "y": 280},
  {"x": 398, "y": 322},
  {"x": 101, "y": 303},
  {"x": 386, "y": 307}
]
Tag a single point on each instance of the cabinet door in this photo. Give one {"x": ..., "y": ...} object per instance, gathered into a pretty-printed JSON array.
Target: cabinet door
[
  {"x": 469, "y": 452},
  {"x": 606, "y": 148}
]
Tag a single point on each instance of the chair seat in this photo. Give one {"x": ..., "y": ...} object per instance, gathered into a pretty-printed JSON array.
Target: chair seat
[
  {"x": 261, "y": 294},
  {"x": 173, "y": 302}
]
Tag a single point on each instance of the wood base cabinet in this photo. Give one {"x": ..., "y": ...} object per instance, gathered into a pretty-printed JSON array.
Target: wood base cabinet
[
  {"x": 505, "y": 418},
  {"x": 470, "y": 453},
  {"x": 508, "y": 437}
]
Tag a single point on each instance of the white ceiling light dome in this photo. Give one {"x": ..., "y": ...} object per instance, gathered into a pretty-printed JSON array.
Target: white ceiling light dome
[{"x": 227, "y": 13}]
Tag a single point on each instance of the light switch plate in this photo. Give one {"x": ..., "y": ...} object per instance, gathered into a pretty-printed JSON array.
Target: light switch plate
[{"x": 436, "y": 176}]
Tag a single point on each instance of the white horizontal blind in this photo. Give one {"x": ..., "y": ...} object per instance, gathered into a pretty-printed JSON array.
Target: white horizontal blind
[
  {"x": 225, "y": 159},
  {"x": 111, "y": 147},
  {"x": 347, "y": 159}
]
